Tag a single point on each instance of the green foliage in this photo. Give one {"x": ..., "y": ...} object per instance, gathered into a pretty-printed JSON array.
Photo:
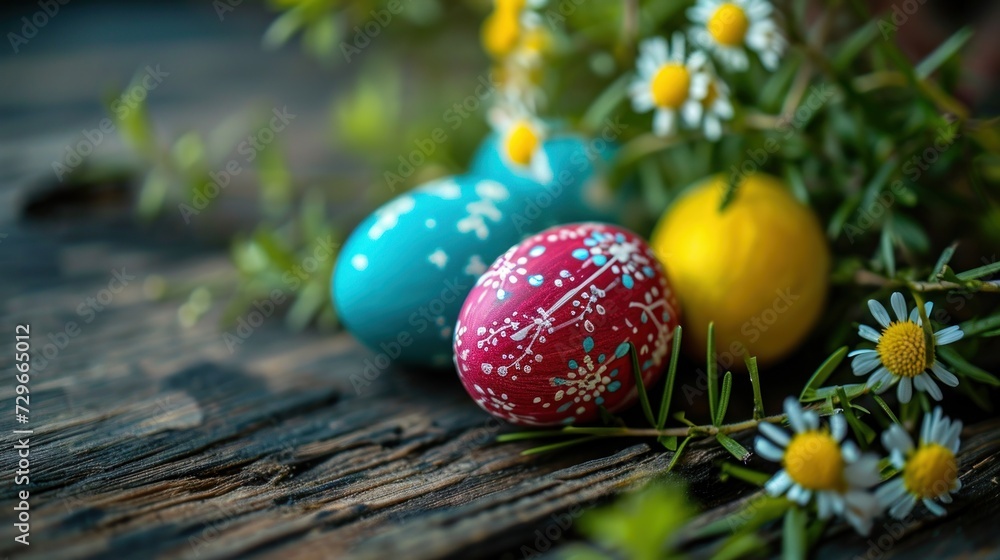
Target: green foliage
[{"x": 639, "y": 525}]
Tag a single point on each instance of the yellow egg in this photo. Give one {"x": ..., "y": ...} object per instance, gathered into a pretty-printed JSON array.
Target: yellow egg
[{"x": 759, "y": 269}]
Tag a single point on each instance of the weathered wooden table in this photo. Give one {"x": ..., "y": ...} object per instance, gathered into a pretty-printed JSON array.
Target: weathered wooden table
[{"x": 154, "y": 440}]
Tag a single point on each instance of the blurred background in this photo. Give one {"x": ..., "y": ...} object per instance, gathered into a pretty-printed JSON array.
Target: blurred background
[{"x": 127, "y": 106}]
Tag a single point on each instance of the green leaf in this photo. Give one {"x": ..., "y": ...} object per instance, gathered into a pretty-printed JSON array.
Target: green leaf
[
  {"x": 794, "y": 176},
  {"x": 885, "y": 408},
  {"x": 979, "y": 272},
  {"x": 942, "y": 262},
  {"x": 733, "y": 446},
  {"x": 824, "y": 372},
  {"x": 677, "y": 454},
  {"x": 852, "y": 389},
  {"x": 887, "y": 252},
  {"x": 605, "y": 103},
  {"x": 727, "y": 387},
  {"x": 729, "y": 195},
  {"x": 793, "y": 536},
  {"x": 640, "y": 385},
  {"x": 670, "y": 442},
  {"x": 557, "y": 446},
  {"x": 740, "y": 545},
  {"x": 929, "y": 344},
  {"x": 518, "y": 436},
  {"x": 874, "y": 187},
  {"x": 152, "y": 194},
  {"x": 758, "y": 401},
  {"x": 943, "y": 52},
  {"x": 711, "y": 365},
  {"x": 977, "y": 326},
  {"x": 282, "y": 28},
  {"x": 855, "y": 44},
  {"x": 963, "y": 367},
  {"x": 321, "y": 36},
  {"x": 756, "y": 478},
  {"x": 640, "y": 524},
  {"x": 668, "y": 387},
  {"x": 864, "y": 434},
  {"x": 756, "y": 511}
]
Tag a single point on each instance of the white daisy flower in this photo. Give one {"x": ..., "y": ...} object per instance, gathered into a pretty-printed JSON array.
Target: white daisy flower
[
  {"x": 727, "y": 27},
  {"x": 901, "y": 354},
  {"x": 522, "y": 139},
  {"x": 929, "y": 471},
  {"x": 713, "y": 95},
  {"x": 818, "y": 463},
  {"x": 666, "y": 81}
]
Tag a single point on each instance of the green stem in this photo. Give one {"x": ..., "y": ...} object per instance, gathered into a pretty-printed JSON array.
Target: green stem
[{"x": 868, "y": 278}]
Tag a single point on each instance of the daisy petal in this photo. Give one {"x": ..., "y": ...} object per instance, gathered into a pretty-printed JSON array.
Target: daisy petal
[
  {"x": 951, "y": 438},
  {"x": 850, "y": 451},
  {"x": 776, "y": 434},
  {"x": 868, "y": 333},
  {"x": 824, "y": 505},
  {"x": 795, "y": 417},
  {"x": 904, "y": 392},
  {"x": 880, "y": 377},
  {"x": 890, "y": 492},
  {"x": 898, "y": 305},
  {"x": 663, "y": 122},
  {"x": 691, "y": 113},
  {"x": 799, "y": 495},
  {"x": 903, "y": 507},
  {"x": 926, "y": 384},
  {"x": 838, "y": 427},
  {"x": 948, "y": 335},
  {"x": 934, "y": 507},
  {"x": 946, "y": 377},
  {"x": 879, "y": 312},
  {"x": 713, "y": 128},
  {"x": 779, "y": 483},
  {"x": 864, "y": 472},
  {"x": 768, "y": 450},
  {"x": 865, "y": 363},
  {"x": 896, "y": 438}
]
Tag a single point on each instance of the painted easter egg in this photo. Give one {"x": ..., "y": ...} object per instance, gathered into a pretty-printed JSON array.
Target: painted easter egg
[
  {"x": 404, "y": 272},
  {"x": 565, "y": 178},
  {"x": 543, "y": 337}
]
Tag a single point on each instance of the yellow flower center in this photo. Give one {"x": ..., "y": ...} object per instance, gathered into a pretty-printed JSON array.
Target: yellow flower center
[
  {"x": 729, "y": 24},
  {"x": 902, "y": 349},
  {"x": 535, "y": 41},
  {"x": 670, "y": 85},
  {"x": 813, "y": 460},
  {"x": 931, "y": 471},
  {"x": 522, "y": 141},
  {"x": 510, "y": 5},
  {"x": 710, "y": 96},
  {"x": 501, "y": 31}
]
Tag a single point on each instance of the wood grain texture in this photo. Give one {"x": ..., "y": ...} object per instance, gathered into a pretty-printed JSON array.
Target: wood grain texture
[{"x": 153, "y": 440}]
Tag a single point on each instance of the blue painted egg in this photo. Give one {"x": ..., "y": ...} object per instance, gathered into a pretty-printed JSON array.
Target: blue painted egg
[
  {"x": 572, "y": 185},
  {"x": 404, "y": 272}
]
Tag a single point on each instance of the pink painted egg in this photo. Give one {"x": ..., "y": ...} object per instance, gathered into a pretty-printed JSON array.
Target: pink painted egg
[{"x": 543, "y": 337}]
